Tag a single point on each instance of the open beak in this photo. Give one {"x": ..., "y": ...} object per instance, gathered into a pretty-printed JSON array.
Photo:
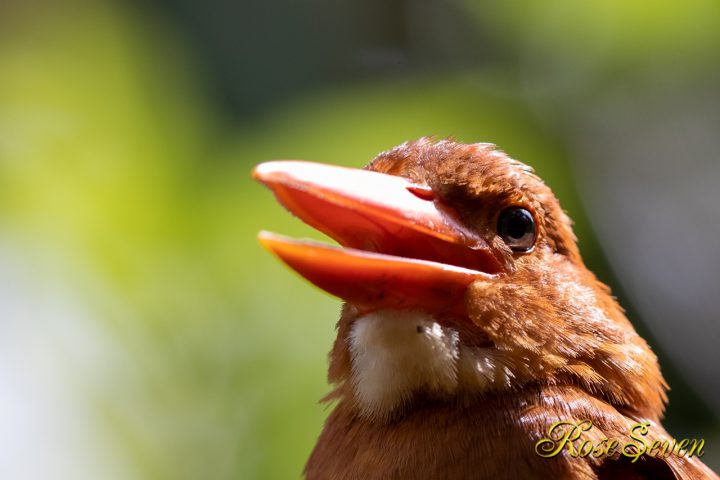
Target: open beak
[{"x": 400, "y": 246}]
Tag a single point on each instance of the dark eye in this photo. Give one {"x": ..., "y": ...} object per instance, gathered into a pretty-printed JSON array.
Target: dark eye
[{"x": 516, "y": 226}]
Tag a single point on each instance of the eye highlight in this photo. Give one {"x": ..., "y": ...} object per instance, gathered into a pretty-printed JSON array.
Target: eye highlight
[{"x": 516, "y": 226}]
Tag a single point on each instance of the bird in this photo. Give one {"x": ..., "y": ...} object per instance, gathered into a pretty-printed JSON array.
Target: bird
[{"x": 473, "y": 342}]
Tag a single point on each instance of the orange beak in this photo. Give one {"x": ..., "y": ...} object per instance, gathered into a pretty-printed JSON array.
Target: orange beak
[{"x": 400, "y": 246}]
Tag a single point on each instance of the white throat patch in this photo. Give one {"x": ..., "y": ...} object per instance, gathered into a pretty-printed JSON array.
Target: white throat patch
[{"x": 398, "y": 352}]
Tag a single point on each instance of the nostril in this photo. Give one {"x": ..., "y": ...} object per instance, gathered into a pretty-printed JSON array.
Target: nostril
[{"x": 423, "y": 192}]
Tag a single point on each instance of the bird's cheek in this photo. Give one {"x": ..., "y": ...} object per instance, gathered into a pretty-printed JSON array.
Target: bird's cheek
[
  {"x": 507, "y": 314},
  {"x": 483, "y": 301}
]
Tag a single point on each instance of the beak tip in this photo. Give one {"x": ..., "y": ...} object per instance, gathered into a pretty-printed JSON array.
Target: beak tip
[
  {"x": 275, "y": 243},
  {"x": 262, "y": 171},
  {"x": 276, "y": 171},
  {"x": 267, "y": 240}
]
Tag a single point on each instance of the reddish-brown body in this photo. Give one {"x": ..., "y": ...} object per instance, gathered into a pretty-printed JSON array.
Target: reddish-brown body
[{"x": 488, "y": 437}]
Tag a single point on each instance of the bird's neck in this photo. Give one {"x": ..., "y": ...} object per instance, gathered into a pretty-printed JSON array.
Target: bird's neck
[
  {"x": 394, "y": 355},
  {"x": 493, "y": 437}
]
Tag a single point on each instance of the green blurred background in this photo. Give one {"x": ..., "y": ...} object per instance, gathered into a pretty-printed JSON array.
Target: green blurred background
[{"x": 143, "y": 332}]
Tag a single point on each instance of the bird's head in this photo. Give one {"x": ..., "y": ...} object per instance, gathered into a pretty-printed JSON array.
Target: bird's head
[{"x": 462, "y": 278}]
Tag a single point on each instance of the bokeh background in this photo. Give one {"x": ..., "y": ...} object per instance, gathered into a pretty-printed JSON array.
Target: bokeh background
[{"x": 143, "y": 332}]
